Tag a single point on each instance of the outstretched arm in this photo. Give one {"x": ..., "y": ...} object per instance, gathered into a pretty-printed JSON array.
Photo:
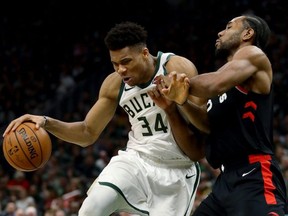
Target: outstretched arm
[
  {"x": 249, "y": 68},
  {"x": 175, "y": 86},
  {"x": 84, "y": 132}
]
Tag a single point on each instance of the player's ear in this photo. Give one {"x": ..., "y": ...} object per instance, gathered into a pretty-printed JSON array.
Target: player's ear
[
  {"x": 248, "y": 34},
  {"x": 145, "y": 52}
]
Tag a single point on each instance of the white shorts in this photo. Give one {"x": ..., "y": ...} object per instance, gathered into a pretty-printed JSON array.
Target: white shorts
[{"x": 149, "y": 189}]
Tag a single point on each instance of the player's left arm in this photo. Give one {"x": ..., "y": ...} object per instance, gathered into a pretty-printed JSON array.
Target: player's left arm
[{"x": 187, "y": 137}]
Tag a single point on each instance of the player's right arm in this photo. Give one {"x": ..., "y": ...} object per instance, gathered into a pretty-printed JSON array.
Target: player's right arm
[{"x": 84, "y": 132}]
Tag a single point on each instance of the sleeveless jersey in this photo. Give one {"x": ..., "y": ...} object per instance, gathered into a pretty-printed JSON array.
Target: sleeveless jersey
[
  {"x": 241, "y": 124},
  {"x": 150, "y": 133}
]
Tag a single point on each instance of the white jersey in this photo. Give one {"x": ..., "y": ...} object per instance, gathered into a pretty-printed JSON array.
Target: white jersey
[
  {"x": 153, "y": 176},
  {"x": 150, "y": 133}
]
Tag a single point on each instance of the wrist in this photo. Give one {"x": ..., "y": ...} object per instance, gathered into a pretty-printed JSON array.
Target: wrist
[
  {"x": 185, "y": 102},
  {"x": 45, "y": 121},
  {"x": 170, "y": 109}
]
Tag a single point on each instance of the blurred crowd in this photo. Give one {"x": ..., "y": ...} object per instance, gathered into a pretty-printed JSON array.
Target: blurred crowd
[{"x": 53, "y": 62}]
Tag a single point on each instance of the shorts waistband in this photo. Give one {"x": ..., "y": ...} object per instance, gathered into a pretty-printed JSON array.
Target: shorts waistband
[
  {"x": 250, "y": 159},
  {"x": 176, "y": 163}
]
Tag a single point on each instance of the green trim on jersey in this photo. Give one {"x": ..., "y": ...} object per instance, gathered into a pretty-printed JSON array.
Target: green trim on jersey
[
  {"x": 144, "y": 85},
  {"x": 168, "y": 58},
  {"x": 159, "y": 54},
  {"x": 121, "y": 193},
  {"x": 120, "y": 91},
  {"x": 196, "y": 184}
]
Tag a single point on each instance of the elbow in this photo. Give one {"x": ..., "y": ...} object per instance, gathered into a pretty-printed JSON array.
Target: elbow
[
  {"x": 89, "y": 140},
  {"x": 86, "y": 144},
  {"x": 90, "y": 136},
  {"x": 196, "y": 158},
  {"x": 196, "y": 155},
  {"x": 198, "y": 152},
  {"x": 212, "y": 91},
  {"x": 215, "y": 88}
]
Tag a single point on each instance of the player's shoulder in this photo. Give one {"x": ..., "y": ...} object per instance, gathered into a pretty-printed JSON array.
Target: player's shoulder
[
  {"x": 113, "y": 80},
  {"x": 246, "y": 52},
  {"x": 177, "y": 58},
  {"x": 111, "y": 85},
  {"x": 181, "y": 64},
  {"x": 253, "y": 54}
]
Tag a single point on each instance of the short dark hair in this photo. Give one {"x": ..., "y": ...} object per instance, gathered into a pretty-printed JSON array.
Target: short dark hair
[
  {"x": 261, "y": 29},
  {"x": 125, "y": 34}
]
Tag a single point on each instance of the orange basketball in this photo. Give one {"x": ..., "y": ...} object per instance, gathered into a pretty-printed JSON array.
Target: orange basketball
[{"x": 27, "y": 149}]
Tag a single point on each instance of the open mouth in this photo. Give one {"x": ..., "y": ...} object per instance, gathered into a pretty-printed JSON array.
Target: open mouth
[{"x": 126, "y": 79}]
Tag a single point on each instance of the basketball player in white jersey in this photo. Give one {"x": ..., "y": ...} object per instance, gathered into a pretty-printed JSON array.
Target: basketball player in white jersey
[{"x": 157, "y": 174}]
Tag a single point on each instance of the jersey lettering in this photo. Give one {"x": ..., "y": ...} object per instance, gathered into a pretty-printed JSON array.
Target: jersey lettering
[
  {"x": 145, "y": 126},
  {"x": 159, "y": 124},
  {"x": 128, "y": 110},
  {"x": 138, "y": 105},
  {"x": 209, "y": 105},
  {"x": 222, "y": 98}
]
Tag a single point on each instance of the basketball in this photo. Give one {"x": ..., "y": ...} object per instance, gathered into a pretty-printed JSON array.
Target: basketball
[{"x": 27, "y": 149}]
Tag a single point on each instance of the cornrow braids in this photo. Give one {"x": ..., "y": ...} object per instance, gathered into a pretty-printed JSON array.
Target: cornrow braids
[{"x": 261, "y": 29}]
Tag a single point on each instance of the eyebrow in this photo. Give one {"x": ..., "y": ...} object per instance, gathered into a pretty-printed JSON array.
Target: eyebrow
[{"x": 229, "y": 23}]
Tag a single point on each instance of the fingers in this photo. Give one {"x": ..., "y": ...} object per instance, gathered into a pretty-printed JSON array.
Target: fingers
[
  {"x": 187, "y": 80},
  {"x": 38, "y": 120},
  {"x": 157, "y": 79},
  {"x": 159, "y": 99},
  {"x": 12, "y": 126},
  {"x": 165, "y": 92},
  {"x": 183, "y": 77},
  {"x": 154, "y": 93},
  {"x": 8, "y": 129},
  {"x": 173, "y": 87},
  {"x": 172, "y": 74}
]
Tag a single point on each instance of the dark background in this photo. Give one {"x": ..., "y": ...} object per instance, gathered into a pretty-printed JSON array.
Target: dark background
[{"x": 53, "y": 61}]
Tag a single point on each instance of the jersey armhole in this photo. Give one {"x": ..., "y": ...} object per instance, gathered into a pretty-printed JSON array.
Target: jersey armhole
[{"x": 120, "y": 91}]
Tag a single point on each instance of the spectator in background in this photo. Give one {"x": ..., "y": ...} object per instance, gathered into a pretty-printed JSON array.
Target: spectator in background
[
  {"x": 18, "y": 180},
  {"x": 60, "y": 212},
  {"x": 10, "y": 209},
  {"x": 31, "y": 211},
  {"x": 20, "y": 212},
  {"x": 23, "y": 198}
]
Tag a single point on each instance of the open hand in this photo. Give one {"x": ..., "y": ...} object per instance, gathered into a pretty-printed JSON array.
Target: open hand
[
  {"x": 159, "y": 99},
  {"x": 175, "y": 87},
  {"x": 38, "y": 120}
]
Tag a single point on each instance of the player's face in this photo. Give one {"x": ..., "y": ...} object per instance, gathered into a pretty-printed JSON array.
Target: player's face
[
  {"x": 229, "y": 39},
  {"x": 131, "y": 65}
]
